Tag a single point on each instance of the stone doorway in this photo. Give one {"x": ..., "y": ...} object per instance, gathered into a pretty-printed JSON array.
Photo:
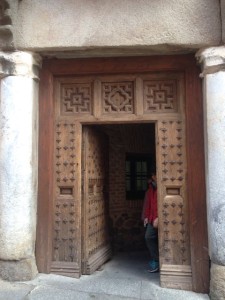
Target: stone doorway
[{"x": 161, "y": 90}]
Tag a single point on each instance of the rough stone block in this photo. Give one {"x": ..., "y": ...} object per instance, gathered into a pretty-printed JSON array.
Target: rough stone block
[
  {"x": 162, "y": 25},
  {"x": 18, "y": 270},
  {"x": 217, "y": 284}
]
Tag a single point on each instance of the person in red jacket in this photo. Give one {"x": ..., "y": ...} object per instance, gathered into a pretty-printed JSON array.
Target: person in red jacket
[{"x": 150, "y": 218}]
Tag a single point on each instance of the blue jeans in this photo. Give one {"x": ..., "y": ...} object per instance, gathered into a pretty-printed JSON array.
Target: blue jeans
[{"x": 151, "y": 239}]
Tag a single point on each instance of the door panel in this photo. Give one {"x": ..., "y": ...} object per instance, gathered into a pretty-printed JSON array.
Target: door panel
[
  {"x": 174, "y": 245},
  {"x": 66, "y": 240},
  {"x": 95, "y": 233}
]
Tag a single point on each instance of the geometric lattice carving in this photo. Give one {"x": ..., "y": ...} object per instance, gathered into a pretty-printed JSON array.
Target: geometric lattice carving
[
  {"x": 118, "y": 97},
  {"x": 160, "y": 96},
  {"x": 76, "y": 98}
]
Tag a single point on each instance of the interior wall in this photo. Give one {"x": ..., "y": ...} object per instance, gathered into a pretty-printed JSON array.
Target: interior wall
[{"x": 125, "y": 215}]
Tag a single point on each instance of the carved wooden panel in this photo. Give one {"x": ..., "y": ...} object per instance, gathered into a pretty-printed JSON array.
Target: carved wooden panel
[
  {"x": 127, "y": 95},
  {"x": 118, "y": 97},
  {"x": 96, "y": 248},
  {"x": 172, "y": 151},
  {"x": 160, "y": 96},
  {"x": 76, "y": 98},
  {"x": 65, "y": 249},
  {"x": 173, "y": 213},
  {"x": 64, "y": 238},
  {"x": 65, "y": 152}
]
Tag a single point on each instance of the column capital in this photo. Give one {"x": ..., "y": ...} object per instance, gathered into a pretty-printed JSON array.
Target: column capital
[
  {"x": 212, "y": 59},
  {"x": 19, "y": 63}
]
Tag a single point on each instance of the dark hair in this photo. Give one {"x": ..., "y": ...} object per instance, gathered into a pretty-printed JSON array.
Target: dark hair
[{"x": 152, "y": 173}]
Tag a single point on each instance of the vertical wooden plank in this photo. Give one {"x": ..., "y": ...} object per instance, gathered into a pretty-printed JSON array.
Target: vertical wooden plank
[
  {"x": 96, "y": 248},
  {"x": 175, "y": 262},
  {"x": 66, "y": 252},
  {"x": 97, "y": 99},
  {"x": 138, "y": 106},
  {"x": 78, "y": 191},
  {"x": 196, "y": 181},
  {"x": 45, "y": 172}
]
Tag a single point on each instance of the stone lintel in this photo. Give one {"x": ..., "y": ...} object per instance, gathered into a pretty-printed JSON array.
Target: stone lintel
[
  {"x": 19, "y": 63},
  {"x": 212, "y": 60}
]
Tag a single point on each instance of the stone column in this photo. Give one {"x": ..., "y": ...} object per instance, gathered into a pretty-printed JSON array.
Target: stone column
[
  {"x": 213, "y": 74},
  {"x": 18, "y": 164}
]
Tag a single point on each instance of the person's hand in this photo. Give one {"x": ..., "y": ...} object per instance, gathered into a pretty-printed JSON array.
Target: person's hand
[
  {"x": 145, "y": 221},
  {"x": 155, "y": 223}
]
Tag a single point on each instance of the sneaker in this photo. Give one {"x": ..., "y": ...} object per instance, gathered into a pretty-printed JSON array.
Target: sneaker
[
  {"x": 150, "y": 263},
  {"x": 153, "y": 266}
]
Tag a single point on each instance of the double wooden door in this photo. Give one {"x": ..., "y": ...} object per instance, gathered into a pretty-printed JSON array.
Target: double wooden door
[{"x": 72, "y": 207}]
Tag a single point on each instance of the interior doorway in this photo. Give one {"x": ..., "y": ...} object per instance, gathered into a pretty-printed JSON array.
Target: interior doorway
[{"x": 116, "y": 161}]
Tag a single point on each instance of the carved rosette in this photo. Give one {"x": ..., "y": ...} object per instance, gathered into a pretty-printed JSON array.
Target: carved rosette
[{"x": 118, "y": 97}]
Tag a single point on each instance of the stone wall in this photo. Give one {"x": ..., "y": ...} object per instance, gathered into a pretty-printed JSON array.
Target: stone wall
[
  {"x": 223, "y": 20},
  {"x": 120, "y": 27},
  {"x": 6, "y": 32}
]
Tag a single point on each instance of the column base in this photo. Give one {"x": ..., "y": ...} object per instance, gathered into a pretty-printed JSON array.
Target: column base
[
  {"x": 21, "y": 270},
  {"x": 217, "y": 282}
]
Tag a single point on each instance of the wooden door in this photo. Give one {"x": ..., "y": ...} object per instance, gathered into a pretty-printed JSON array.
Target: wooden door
[
  {"x": 66, "y": 235},
  {"x": 96, "y": 248},
  {"x": 165, "y": 90},
  {"x": 174, "y": 244}
]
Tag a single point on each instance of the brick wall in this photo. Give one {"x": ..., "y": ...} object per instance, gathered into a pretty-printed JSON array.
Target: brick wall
[{"x": 126, "y": 226}]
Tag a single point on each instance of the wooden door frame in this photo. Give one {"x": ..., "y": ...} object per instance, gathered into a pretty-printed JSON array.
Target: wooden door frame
[{"x": 194, "y": 147}]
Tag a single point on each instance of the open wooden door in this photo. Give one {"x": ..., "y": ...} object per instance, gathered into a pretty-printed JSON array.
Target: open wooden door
[
  {"x": 96, "y": 248},
  {"x": 165, "y": 90}
]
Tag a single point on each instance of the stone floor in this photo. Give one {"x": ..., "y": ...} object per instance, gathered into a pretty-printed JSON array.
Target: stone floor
[{"x": 124, "y": 277}]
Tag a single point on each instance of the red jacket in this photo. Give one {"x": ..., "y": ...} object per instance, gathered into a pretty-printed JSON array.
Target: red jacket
[{"x": 150, "y": 205}]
